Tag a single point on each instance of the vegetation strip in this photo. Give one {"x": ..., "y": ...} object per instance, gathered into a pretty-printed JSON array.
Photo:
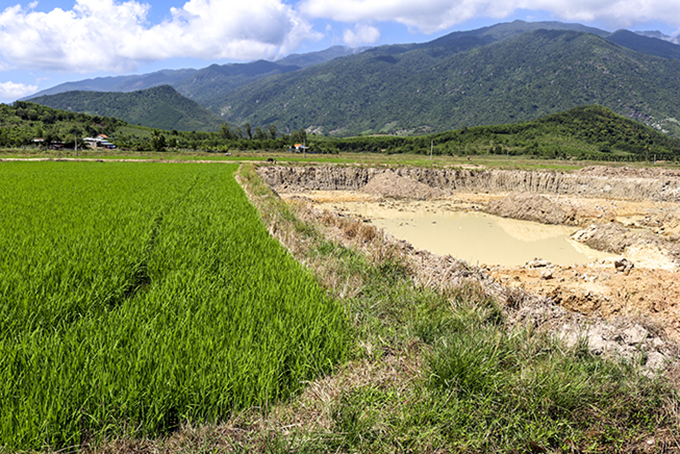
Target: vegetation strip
[
  {"x": 588, "y": 132},
  {"x": 227, "y": 319}
]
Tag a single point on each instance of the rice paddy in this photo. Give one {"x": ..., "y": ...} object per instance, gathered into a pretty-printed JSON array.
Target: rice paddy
[{"x": 137, "y": 296}]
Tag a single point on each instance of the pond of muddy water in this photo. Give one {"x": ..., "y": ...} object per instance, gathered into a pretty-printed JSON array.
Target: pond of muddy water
[{"x": 477, "y": 238}]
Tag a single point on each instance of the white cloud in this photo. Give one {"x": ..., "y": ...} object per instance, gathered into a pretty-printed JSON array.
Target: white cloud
[
  {"x": 12, "y": 91},
  {"x": 110, "y": 35},
  {"x": 362, "y": 34},
  {"x": 115, "y": 35},
  {"x": 434, "y": 15}
]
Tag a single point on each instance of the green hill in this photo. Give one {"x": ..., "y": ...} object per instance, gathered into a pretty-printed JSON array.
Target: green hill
[
  {"x": 23, "y": 122},
  {"x": 209, "y": 83},
  {"x": 645, "y": 44},
  {"x": 589, "y": 132},
  {"x": 159, "y": 107},
  {"x": 464, "y": 82}
]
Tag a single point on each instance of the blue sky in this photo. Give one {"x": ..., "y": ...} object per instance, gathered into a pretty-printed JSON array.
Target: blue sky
[{"x": 47, "y": 42}]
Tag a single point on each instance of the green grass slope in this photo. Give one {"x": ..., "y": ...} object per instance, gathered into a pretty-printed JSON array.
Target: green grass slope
[
  {"x": 159, "y": 107},
  {"x": 399, "y": 89}
]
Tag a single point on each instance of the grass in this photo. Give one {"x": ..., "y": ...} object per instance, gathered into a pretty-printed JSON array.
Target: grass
[{"x": 139, "y": 297}]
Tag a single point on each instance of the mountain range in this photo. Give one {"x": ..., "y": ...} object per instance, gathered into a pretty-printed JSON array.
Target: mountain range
[{"x": 500, "y": 74}]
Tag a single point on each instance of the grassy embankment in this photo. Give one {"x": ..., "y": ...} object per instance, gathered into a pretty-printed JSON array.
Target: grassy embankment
[{"x": 138, "y": 297}]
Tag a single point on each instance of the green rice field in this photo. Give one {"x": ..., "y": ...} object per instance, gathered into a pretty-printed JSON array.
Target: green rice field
[{"x": 137, "y": 296}]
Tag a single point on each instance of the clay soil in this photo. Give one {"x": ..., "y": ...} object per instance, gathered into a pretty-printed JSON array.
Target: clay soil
[{"x": 646, "y": 286}]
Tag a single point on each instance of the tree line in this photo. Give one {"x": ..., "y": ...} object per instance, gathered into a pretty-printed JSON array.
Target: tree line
[{"x": 589, "y": 132}]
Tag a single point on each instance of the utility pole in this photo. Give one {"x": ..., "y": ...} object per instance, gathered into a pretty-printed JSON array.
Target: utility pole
[
  {"x": 431, "y": 148},
  {"x": 75, "y": 143},
  {"x": 304, "y": 149}
]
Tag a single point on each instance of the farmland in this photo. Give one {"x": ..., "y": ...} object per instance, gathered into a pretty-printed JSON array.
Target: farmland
[{"x": 138, "y": 296}]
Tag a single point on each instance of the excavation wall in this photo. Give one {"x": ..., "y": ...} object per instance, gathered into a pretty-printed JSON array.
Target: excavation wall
[{"x": 628, "y": 184}]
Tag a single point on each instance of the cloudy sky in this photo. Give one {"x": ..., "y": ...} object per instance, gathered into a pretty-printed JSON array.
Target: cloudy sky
[{"x": 47, "y": 42}]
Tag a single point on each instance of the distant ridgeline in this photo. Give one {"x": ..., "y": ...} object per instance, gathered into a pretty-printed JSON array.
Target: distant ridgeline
[
  {"x": 504, "y": 73},
  {"x": 490, "y": 76},
  {"x": 590, "y": 132}
]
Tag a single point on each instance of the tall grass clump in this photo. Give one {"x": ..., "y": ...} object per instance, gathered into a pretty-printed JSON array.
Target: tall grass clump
[{"x": 137, "y": 296}]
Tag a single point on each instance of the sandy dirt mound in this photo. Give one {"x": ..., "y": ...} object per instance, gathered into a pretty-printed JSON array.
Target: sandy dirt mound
[
  {"x": 391, "y": 185},
  {"x": 531, "y": 207},
  {"x": 644, "y": 248}
]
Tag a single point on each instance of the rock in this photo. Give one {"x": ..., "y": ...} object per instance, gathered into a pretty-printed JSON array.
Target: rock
[
  {"x": 634, "y": 334},
  {"x": 623, "y": 265},
  {"x": 655, "y": 361},
  {"x": 547, "y": 274},
  {"x": 537, "y": 263}
]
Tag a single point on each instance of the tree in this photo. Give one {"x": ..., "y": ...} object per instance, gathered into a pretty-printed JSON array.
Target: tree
[
  {"x": 226, "y": 132},
  {"x": 272, "y": 132},
  {"x": 51, "y": 136},
  {"x": 158, "y": 141},
  {"x": 259, "y": 134},
  {"x": 299, "y": 136},
  {"x": 249, "y": 131}
]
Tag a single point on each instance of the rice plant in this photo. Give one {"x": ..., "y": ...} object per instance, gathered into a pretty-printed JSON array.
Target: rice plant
[{"x": 136, "y": 296}]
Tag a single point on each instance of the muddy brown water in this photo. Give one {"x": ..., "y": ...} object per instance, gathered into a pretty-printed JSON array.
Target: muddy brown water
[{"x": 477, "y": 238}]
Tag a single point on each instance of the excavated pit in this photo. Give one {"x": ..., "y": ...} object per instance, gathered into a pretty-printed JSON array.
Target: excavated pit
[{"x": 633, "y": 215}]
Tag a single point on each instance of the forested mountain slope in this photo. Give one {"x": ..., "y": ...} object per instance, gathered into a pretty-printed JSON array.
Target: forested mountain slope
[
  {"x": 402, "y": 89},
  {"x": 159, "y": 107}
]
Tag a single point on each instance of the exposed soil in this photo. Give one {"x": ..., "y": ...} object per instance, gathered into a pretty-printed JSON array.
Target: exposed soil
[
  {"x": 603, "y": 290},
  {"x": 626, "y": 303},
  {"x": 532, "y": 207},
  {"x": 395, "y": 186}
]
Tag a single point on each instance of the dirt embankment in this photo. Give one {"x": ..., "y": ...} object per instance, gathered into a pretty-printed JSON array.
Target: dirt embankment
[
  {"x": 395, "y": 186},
  {"x": 589, "y": 182}
]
